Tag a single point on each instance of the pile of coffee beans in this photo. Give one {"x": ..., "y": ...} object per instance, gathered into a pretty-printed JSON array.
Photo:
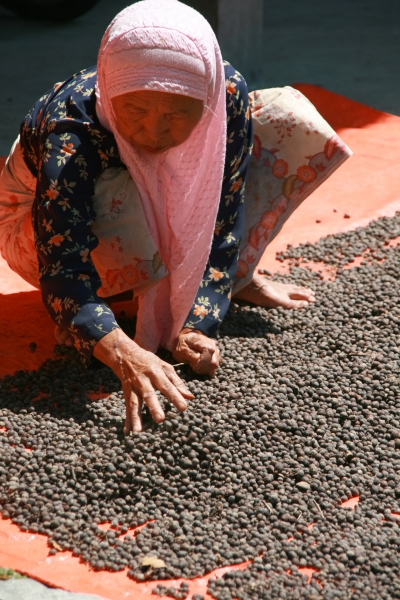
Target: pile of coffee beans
[
  {"x": 342, "y": 248},
  {"x": 303, "y": 415}
]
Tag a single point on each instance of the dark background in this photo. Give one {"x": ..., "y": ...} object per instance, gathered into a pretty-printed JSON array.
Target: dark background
[{"x": 349, "y": 46}]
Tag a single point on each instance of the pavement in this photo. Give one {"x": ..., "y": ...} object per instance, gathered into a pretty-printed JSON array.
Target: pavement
[
  {"x": 29, "y": 589},
  {"x": 35, "y": 55},
  {"x": 351, "y": 47}
]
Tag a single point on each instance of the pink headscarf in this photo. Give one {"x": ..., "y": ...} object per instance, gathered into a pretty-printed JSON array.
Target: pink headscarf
[{"x": 166, "y": 46}]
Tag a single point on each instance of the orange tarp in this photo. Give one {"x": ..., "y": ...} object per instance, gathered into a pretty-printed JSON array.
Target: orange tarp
[{"x": 365, "y": 187}]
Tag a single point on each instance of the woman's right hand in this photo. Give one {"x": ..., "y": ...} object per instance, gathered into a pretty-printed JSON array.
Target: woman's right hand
[{"x": 141, "y": 374}]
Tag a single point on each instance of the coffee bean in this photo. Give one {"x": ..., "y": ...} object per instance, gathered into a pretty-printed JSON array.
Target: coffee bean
[{"x": 303, "y": 486}]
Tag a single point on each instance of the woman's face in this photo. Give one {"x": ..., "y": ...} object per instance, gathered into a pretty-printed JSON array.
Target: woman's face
[{"x": 156, "y": 121}]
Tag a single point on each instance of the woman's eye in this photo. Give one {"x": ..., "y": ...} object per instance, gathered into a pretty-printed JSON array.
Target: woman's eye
[
  {"x": 137, "y": 114},
  {"x": 177, "y": 117}
]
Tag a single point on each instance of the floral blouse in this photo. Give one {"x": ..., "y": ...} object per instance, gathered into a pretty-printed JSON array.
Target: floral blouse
[{"x": 67, "y": 149}]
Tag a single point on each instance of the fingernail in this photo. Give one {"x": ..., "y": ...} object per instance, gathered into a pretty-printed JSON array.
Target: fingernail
[{"x": 186, "y": 390}]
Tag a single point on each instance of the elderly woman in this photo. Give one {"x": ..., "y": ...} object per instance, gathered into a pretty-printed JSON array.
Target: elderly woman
[{"x": 130, "y": 179}]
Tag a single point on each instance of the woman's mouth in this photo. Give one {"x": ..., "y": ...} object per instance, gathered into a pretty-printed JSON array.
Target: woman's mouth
[{"x": 156, "y": 149}]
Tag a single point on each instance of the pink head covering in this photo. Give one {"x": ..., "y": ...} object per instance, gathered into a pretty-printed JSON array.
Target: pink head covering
[{"x": 166, "y": 46}]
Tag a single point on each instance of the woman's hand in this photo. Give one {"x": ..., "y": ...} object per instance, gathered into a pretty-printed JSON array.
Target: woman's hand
[
  {"x": 63, "y": 337},
  {"x": 141, "y": 374},
  {"x": 200, "y": 351}
]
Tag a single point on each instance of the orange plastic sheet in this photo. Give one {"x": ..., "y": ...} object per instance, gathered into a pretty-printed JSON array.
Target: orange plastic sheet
[
  {"x": 29, "y": 554},
  {"x": 365, "y": 187}
]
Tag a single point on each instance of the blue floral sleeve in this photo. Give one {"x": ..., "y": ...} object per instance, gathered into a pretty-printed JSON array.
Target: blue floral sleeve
[
  {"x": 213, "y": 298},
  {"x": 67, "y": 150}
]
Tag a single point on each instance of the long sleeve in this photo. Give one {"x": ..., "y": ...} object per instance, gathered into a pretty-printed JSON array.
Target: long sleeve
[
  {"x": 214, "y": 295},
  {"x": 71, "y": 154}
]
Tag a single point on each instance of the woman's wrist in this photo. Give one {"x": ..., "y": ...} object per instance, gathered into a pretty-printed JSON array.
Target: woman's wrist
[
  {"x": 111, "y": 348},
  {"x": 192, "y": 330}
]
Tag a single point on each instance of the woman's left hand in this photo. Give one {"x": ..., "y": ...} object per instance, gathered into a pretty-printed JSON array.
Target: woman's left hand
[{"x": 200, "y": 351}]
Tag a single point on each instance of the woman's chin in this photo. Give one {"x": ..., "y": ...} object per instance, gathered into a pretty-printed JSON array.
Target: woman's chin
[{"x": 154, "y": 149}]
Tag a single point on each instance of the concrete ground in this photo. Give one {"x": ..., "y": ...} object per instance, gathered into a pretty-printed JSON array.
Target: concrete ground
[
  {"x": 28, "y": 589},
  {"x": 348, "y": 46},
  {"x": 351, "y": 47}
]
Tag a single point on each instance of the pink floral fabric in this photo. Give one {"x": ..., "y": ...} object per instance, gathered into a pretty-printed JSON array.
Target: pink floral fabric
[{"x": 295, "y": 151}]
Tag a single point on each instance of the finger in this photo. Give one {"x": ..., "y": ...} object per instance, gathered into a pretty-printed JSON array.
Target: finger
[
  {"x": 295, "y": 304},
  {"x": 128, "y": 422},
  {"x": 198, "y": 343},
  {"x": 204, "y": 364},
  {"x": 184, "y": 391},
  {"x": 302, "y": 294},
  {"x": 203, "y": 369},
  {"x": 212, "y": 371},
  {"x": 300, "y": 288},
  {"x": 150, "y": 398},
  {"x": 62, "y": 337},
  {"x": 178, "y": 383},
  {"x": 133, "y": 419},
  {"x": 170, "y": 391},
  {"x": 136, "y": 413},
  {"x": 189, "y": 354},
  {"x": 215, "y": 362}
]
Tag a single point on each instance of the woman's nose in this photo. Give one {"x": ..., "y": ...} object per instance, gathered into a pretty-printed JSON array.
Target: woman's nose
[{"x": 156, "y": 126}]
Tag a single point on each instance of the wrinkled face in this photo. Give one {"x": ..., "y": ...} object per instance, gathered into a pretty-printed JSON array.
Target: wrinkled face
[{"x": 156, "y": 121}]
